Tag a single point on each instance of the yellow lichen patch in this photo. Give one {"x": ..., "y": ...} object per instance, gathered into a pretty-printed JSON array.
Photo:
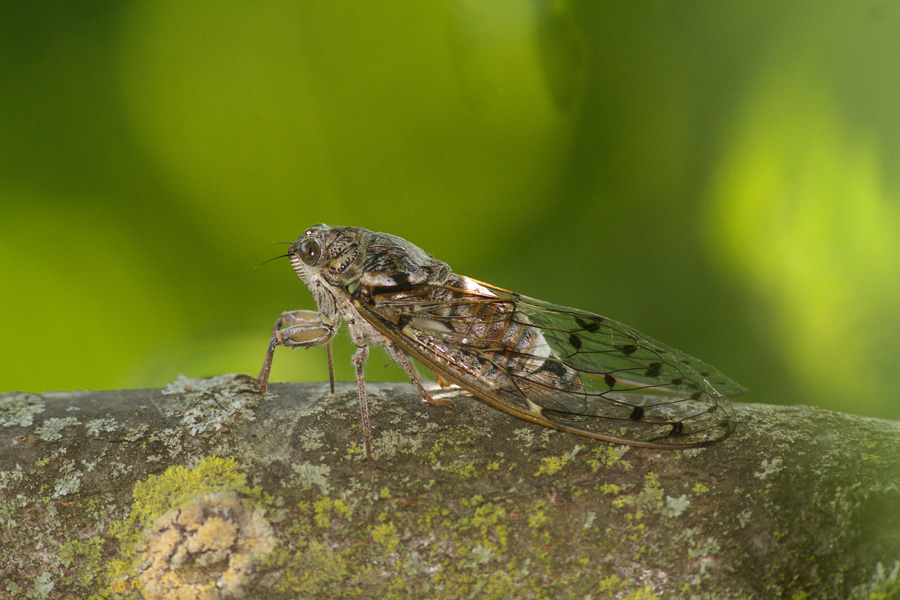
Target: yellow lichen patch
[
  {"x": 552, "y": 465},
  {"x": 323, "y": 509},
  {"x": 490, "y": 520},
  {"x": 609, "y": 488},
  {"x": 463, "y": 469},
  {"x": 159, "y": 493},
  {"x": 644, "y": 593},
  {"x": 386, "y": 535},
  {"x": 191, "y": 533},
  {"x": 537, "y": 519},
  {"x": 207, "y": 549},
  {"x": 606, "y": 456}
]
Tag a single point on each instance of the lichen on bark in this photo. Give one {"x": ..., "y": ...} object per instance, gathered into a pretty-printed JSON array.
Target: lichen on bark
[{"x": 111, "y": 494}]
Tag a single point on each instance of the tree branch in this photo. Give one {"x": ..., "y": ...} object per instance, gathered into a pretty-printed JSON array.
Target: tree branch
[{"x": 209, "y": 490}]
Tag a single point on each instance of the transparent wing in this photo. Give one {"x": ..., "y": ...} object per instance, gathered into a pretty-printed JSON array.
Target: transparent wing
[{"x": 560, "y": 367}]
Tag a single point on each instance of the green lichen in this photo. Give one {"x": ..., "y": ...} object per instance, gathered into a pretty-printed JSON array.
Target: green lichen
[
  {"x": 391, "y": 443},
  {"x": 20, "y": 410},
  {"x": 42, "y": 586},
  {"x": 644, "y": 593},
  {"x": 310, "y": 474},
  {"x": 607, "y": 456},
  {"x": 158, "y": 493},
  {"x": 51, "y": 429},
  {"x": 313, "y": 571},
  {"x": 311, "y": 439},
  {"x": 462, "y": 469},
  {"x": 538, "y": 521},
  {"x": 67, "y": 482},
  {"x": 386, "y": 535},
  {"x": 87, "y": 554},
  {"x": 97, "y": 426},
  {"x": 609, "y": 488},
  {"x": 488, "y": 523},
  {"x": 551, "y": 465},
  {"x": 676, "y": 506},
  {"x": 324, "y": 508},
  {"x": 207, "y": 405}
]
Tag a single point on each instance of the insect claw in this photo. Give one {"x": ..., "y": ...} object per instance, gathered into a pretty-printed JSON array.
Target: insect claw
[
  {"x": 259, "y": 387},
  {"x": 441, "y": 402},
  {"x": 244, "y": 376},
  {"x": 425, "y": 395}
]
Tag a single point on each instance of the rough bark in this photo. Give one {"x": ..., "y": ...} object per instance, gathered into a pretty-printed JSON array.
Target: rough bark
[{"x": 208, "y": 490}]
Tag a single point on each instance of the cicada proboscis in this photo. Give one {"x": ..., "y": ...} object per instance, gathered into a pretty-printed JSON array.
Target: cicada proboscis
[{"x": 559, "y": 367}]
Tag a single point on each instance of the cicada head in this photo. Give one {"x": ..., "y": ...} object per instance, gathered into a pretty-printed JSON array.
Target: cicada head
[{"x": 329, "y": 260}]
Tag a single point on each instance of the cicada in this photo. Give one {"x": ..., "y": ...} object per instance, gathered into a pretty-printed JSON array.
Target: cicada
[{"x": 560, "y": 367}]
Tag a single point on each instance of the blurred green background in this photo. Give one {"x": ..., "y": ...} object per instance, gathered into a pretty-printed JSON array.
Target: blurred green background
[{"x": 722, "y": 176}]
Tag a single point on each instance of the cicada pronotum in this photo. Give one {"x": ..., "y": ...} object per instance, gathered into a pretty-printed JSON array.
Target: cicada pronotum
[{"x": 559, "y": 367}]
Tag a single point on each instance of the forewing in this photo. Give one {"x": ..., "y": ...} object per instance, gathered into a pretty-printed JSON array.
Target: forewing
[
  {"x": 557, "y": 366},
  {"x": 631, "y": 384}
]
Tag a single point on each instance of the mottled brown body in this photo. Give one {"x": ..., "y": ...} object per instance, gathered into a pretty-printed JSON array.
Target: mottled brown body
[
  {"x": 496, "y": 344},
  {"x": 556, "y": 366}
]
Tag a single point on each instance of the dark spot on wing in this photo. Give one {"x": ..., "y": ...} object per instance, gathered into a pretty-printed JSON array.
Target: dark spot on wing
[
  {"x": 628, "y": 349},
  {"x": 610, "y": 380},
  {"x": 653, "y": 369},
  {"x": 590, "y": 325},
  {"x": 575, "y": 341},
  {"x": 677, "y": 428},
  {"x": 555, "y": 367},
  {"x": 637, "y": 414}
]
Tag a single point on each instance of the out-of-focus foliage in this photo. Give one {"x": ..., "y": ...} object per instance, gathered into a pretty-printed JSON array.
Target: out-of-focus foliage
[
  {"x": 802, "y": 211},
  {"x": 724, "y": 177}
]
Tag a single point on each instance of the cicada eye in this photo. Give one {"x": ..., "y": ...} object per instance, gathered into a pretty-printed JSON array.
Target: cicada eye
[{"x": 310, "y": 251}]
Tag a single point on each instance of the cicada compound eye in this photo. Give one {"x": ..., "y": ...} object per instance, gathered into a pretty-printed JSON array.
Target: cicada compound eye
[{"x": 310, "y": 251}]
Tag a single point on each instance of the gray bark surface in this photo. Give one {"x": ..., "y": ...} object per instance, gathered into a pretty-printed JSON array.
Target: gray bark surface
[{"x": 206, "y": 489}]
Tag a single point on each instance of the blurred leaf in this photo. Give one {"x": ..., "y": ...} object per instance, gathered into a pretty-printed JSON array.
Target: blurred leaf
[
  {"x": 803, "y": 215},
  {"x": 275, "y": 116},
  {"x": 562, "y": 51},
  {"x": 83, "y": 304}
]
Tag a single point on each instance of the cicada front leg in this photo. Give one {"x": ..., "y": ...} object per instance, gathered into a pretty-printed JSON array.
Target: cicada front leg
[{"x": 298, "y": 329}]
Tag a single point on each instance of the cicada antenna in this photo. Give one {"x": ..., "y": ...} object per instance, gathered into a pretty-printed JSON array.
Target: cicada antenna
[{"x": 275, "y": 258}]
